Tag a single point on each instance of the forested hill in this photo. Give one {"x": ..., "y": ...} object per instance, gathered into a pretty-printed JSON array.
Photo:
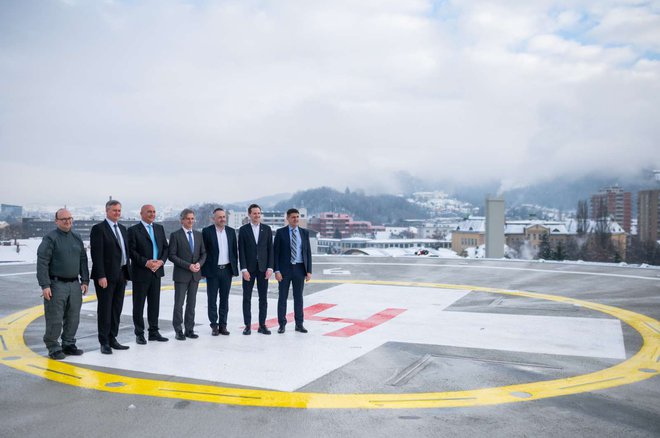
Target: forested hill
[{"x": 378, "y": 209}]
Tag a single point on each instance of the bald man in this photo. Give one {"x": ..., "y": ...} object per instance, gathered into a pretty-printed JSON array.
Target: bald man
[
  {"x": 148, "y": 249},
  {"x": 63, "y": 275}
]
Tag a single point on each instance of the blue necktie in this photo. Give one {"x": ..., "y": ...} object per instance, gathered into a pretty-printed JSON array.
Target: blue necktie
[
  {"x": 153, "y": 241},
  {"x": 190, "y": 241}
]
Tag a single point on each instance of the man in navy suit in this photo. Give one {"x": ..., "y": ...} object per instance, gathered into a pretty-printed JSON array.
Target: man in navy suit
[
  {"x": 293, "y": 266},
  {"x": 221, "y": 265},
  {"x": 148, "y": 248},
  {"x": 188, "y": 254},
  {"x": 255, "y": 250},
  {"x": 110, "y": 272}
]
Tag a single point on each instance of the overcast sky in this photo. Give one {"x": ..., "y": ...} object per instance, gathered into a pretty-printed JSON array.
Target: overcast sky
[{"x": 180, "y": 102}]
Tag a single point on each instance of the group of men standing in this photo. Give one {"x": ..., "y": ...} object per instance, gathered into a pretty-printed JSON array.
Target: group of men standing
[{"x": 139, "y": 254}]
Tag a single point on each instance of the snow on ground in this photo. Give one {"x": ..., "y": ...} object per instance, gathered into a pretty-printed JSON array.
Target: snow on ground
[{"x": 25, "y": 252}]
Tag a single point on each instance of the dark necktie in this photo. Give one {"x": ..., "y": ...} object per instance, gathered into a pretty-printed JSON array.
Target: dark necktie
[{"x": 121, "y": 245}]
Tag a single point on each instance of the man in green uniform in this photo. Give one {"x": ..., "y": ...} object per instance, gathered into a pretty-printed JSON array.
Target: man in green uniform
[{"x": 63, "y": 275}]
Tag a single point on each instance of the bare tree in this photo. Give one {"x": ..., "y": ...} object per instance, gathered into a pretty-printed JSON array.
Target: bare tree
[{"x": 582, "y": 217}]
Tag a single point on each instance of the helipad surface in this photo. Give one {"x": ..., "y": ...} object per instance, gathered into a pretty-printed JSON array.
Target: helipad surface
[{"x": 394, "y": 333}]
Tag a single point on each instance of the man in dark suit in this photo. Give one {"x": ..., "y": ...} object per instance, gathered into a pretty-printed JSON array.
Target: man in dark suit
[
  {"x": 221, "y": 264},
  {"x": 188, "y": 254},
  {"x": 147, "y": 247},
  {"x": 293, "y": 265},
  {"x": 110, "y": 272},
  {"x": 255, "y": 250}
]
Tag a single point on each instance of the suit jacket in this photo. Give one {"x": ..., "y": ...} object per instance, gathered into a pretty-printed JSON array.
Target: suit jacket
[
  {"x": 213, "y": 250},
  {"x": 255, "y": 256},
  {"x": 282, "y": 249},
  {"x": 106, "y": 252},
  {"x": 180, "y": 255},
  {"x": 141, "y": 250}
]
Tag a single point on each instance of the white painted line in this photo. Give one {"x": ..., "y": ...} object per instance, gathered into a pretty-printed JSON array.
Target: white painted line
[
  {"x": 336, "y": 271},
  {"x": 427, "y": 265},
  {"x": 18, "y": 273}
]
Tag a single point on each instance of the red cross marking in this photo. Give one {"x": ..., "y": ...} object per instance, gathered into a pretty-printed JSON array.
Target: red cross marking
[{"x": 357, "y": 325}]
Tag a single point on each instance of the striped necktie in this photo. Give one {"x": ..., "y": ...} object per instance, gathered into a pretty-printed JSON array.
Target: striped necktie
[{"x": 294, "y": 245}]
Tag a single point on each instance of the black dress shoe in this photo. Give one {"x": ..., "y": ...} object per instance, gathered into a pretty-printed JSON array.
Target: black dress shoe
[
  {"x": 192, "y": 335},
  {"x": 223, "y": 330},
  {"x": 139, "y": 339},
  {"x": 247, "y": 331},
  {"x": 105, "y": 349},
  {"x": 180, "y": 336},
  {"x": 58, "y": 355},
  {"x": 215, "y": 331},
  {"x": 72, "y": 350},
  {"x": 157, "y": 337},
  {"x": 301, "y": 329},
  {"x": 281, "y": 329},
  {"x": 117, "y": 346},
  {"x": 263, "y": 330}
]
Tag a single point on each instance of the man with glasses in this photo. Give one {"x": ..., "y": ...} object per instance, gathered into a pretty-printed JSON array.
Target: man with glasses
[{"x": 63, "y": 275}]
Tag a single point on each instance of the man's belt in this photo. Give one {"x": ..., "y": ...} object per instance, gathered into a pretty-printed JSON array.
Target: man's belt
[
  {"x": 63, "y": 279},
  {"x": 227, "y": 266}
]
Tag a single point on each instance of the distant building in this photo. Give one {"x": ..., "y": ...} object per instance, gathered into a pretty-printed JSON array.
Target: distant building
[
  {"x": 471, "y": 233},
  {"x": 613, "y": 202},
  {"x": 341, "y": 224},
  {"x": 33, "y": 227},
  {"x": 648, "y": 215},
  {"x": 12, "y": 214},
  {"x": 349, "y": 244}
]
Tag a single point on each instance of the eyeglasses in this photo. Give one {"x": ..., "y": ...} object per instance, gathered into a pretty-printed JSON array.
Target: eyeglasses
[{"x": 65, "y": 219}]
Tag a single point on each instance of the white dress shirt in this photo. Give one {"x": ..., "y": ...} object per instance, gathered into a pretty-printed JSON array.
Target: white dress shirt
[
  {"x": 255, "y": 231},
  {"x": 223, "y": 246}
]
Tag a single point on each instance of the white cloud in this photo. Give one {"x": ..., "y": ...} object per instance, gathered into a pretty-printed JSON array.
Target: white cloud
[{"x": 231, "y": 100}]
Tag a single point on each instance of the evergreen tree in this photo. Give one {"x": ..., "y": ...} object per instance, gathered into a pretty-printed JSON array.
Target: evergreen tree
[
  {"x": 545, "y": 250},
  {"x": 559, "y": 252}
]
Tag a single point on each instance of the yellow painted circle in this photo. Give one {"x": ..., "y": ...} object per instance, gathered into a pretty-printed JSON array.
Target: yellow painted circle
[{"x": 643, "y": 365}]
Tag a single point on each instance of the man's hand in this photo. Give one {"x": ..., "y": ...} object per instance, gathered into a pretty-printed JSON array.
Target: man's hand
[
  {"x": 84, "y": 288},
  {"x": 278, "y": 276},
  {"x": 308, "y": 276},
  {"x": 103, "y": 282},
  {"x": 194, "y": 267},
  {"x": 269, "y": 272},
  {"x": 46, "y": 293},
  {"x": 246, "y": 276}
]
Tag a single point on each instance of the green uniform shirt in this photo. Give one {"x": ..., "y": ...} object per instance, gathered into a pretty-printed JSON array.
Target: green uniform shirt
[{"x": 63, "y": 255}]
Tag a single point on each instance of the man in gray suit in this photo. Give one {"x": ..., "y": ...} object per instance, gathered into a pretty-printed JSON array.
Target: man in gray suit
[{"x": 188, "y": 254}]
